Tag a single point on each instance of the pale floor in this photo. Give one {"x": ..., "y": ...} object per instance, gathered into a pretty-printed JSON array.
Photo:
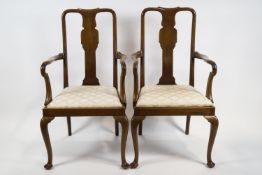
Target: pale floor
[{"x": 164, "y": 148}]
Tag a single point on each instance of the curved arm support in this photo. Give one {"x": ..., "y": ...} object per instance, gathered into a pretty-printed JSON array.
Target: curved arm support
[
  {"x": 135, "y": 57},
  {"x": 122, "y": 59},
  {"x": 211, "y": 74},
  {"x": 48, "y": 98}
]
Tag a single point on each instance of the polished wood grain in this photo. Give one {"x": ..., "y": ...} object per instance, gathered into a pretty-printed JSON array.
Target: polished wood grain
[
  {"x": 213, "y": 132},
  {"x": 211, "y": 74},
  {"x": 89, "y": 40},
  {"x": 48, "y": 97},
  {"x": 136, "y": 120},
  {"x": 168, "y": 40},
  {"x": 44, "y": 129}
]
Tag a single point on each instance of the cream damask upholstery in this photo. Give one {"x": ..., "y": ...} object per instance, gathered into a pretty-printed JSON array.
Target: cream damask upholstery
[
  {"x": 171, "y": 96},
  {"x": 86, "y": 97}
]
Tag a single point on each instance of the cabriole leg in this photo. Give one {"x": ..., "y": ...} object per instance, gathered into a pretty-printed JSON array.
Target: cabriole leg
[
  {"x": 44, "y": 129},
  {"x": 136, "y": 120},
  {"x": 213, "y": 131},
  {"x": 123, "y": 120}
]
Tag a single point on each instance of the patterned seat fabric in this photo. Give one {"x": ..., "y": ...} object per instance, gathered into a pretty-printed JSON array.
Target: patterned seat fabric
[
  {"x": 171, "y": 96},
  {"x": 86, "y": 97}
]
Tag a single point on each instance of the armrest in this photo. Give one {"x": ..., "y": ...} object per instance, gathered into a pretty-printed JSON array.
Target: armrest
[
  {"x": 135, "y": 57},
  {"x": 122, "y": 59},
  {"x": 48, "y": 98},
  {"x": 211, "y": 74}
]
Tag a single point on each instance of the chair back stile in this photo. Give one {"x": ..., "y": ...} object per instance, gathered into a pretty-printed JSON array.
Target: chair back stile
[
  {"x": 89, "y": 41},
  {"x": 167, "y": 40}
]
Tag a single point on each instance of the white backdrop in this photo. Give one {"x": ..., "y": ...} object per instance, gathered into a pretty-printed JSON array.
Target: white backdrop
[{"x": 228, "y": 31}]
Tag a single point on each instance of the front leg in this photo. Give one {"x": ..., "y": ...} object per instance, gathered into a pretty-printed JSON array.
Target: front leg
[
  {"x": 136, "y": 120},
  {"x": 123, "y": 120},
  {"x": 213, "y": 131},
  {"x": 44, "y": 129}
]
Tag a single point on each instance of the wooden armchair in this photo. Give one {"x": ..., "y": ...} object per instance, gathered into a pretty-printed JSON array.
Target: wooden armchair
[
  {"x": 89, "y": 99},
  {"x": 168, "y": 98}
]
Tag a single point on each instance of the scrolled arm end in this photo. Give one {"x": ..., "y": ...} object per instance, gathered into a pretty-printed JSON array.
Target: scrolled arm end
[
  {"x": 135, "y": 57},
  {"x": 211, "y": 74},
  {"x": 207, "y": 60},
  {"x": 49, "y": 61},
  {"x": 48, "y": 98},
  {"x": 122, "y": 59}
]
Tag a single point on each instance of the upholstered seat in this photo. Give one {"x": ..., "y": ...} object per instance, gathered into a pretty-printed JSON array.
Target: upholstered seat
[
  {"x": 86, "y": 97},
  {"x": 171, "y": 96}
]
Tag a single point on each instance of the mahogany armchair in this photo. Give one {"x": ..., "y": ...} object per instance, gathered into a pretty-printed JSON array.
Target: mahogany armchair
[
  {"x": 89, "y": 99},
  {"x": 167, "y": 98}
]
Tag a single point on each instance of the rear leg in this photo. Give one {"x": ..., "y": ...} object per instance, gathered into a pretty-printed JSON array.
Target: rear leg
[
  {"x": 68, "y": 118},
  {"x": 188, "y": 118}
]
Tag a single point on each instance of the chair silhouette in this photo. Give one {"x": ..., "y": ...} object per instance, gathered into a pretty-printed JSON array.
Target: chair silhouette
[
  {"x": 89, "y": 99},
  {"x": 167, "y": 98}
]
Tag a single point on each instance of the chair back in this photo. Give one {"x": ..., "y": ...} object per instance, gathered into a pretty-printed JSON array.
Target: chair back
[
  {"x": 89, "y": 41},
  {"x": 167, "y": 40}
]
